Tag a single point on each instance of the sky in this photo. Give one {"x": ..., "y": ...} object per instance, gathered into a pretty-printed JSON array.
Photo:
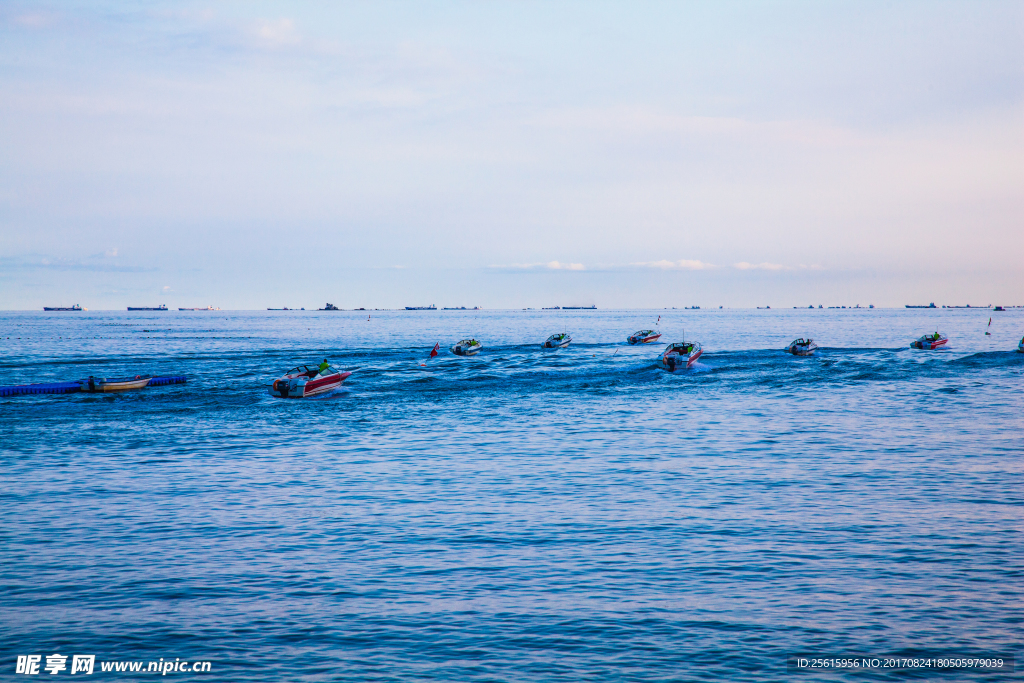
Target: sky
[{"x": 511, "y": 154}]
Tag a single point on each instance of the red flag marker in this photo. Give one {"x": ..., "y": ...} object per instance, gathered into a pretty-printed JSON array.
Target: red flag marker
[{"x": 433, "y": 352}]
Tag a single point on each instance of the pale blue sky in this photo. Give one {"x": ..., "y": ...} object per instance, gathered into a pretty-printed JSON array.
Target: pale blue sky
[{"x": 372, "y": 154}]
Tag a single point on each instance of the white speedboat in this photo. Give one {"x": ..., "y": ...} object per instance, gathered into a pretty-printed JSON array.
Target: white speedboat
[
  {"x": 802, "y": 347},
  {"x": 467, "y": 347},
  {"x": 930, "y": 342},
  {"x": 304, "y": 381},
  {"x": 1020, "y": 347},
  {"x": 643, "y": 337},
  {"x": 557, "y": 341},
  {"x": 680, "y": 355}
]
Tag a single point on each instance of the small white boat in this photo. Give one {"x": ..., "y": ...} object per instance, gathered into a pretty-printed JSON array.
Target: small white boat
[
  {"x": 680, "y": 355},
  {"x": 467, "y": 347},
  {"x": 102, "y": 385},
  {"x": 643, "y": 337},
  {"x": 930, "y": 342},
  {"x": 1020, "y": 347},
  {"x": 557, "y": 341},
  {"x": 802, "y": 347},
  {"x": 304, "y": 381}
]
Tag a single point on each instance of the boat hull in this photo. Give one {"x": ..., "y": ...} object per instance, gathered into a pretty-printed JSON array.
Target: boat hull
[
  {"x": 649, "y": 339},
  {"x": 557, "y": 343},
  {"x": 802, "y": 350},
  {"x": 99, "y": 385},
  {"x": 678, "y": 361},
  {"x": 466, "y": 351},
  {"x": 929, "y": 345},
  {"x": 304, "y": 387}
]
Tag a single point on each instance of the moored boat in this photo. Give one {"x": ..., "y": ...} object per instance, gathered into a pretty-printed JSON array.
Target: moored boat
[
  {"x": 467, "y": 347},
  {"x": 802, "y": 347},
  {"x": 929, "y": 342},
  {"x": 304, "y": 381},
  {"x": 557, "y": 341},
  {"x": 107, "y": 384},
  {"x": 643, "y": 337},
  {"x": 680, "y": 355}
]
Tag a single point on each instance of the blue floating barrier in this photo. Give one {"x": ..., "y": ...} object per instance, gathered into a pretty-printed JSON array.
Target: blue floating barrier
[
  {"x": 72, "y": 387},
  {"x": 52, "y": 388},
  {"x": 158, "y": 381}
]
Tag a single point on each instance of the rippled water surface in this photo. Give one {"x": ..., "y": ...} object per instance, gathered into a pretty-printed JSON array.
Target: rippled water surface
[{"x": 522, "y": 515}]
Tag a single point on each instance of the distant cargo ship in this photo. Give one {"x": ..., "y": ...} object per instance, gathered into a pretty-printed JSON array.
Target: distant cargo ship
[
  {"x": 579, "y": 308},
  {"x": 207, "y": 308},
  {"x": 461, "y": 308},
  {"x": 431, "y": 307},
  {"x": 161, "y": 307},
  {"x": 928, "y": 306},
  {"x": 76, "y": 307},
  {"x": 288, "y": 309}
]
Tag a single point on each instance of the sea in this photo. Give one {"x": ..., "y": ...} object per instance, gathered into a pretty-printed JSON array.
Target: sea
[{"x": 521, "y": 515}]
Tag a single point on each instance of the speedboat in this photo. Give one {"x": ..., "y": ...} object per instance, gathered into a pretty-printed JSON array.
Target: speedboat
[
  {"x": 304, "y": 381},
  {"x": 1020, "y": 347},
  {"x": 930, "y": 342},
  {"x": 643, "y": 337},
  {"x": 680, "y": 354},
  {"x": 467, "y": 347},
  {"x": 557, "y": 341},
  {"x": 102, "y": 385},
  {"x": 802, "y": 347}
]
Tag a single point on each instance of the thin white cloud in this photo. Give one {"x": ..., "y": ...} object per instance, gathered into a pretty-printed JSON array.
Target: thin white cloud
[
  {"x": 277, "y": 33},
  {"x": 743, "y": 265},
  {"x": 35, "y": 19},
  {"x": 57, "y": 263},
  {"x": 555, "y": 265},
  {"x": 550, "y": 265},
  {"x": 684, "y": 264}
]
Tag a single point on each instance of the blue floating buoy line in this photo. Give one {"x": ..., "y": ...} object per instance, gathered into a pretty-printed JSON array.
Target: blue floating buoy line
[{"x": 72, "y": 387}]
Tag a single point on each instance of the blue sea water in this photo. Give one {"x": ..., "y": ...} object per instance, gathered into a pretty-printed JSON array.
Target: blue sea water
[{"x": 522, "y": 515}]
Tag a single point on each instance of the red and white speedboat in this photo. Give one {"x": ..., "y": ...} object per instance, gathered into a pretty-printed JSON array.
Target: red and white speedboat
[
  {"x": 680, "y": 355},
  {"x": 643, "y": 337},
  {"x": 930, "y": 342},
  {"x": 305, "y": 381}
]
